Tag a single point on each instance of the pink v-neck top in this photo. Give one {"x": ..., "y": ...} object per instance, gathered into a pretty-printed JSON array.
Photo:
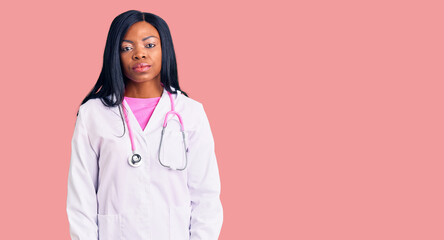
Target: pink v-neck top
[{"x": 142, "y": 108}]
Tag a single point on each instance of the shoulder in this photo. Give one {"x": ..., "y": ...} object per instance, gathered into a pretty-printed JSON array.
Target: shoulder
[
  {"x": 189, "y": 102},
  {"x": 191, "y": 105},
  {"x": 94, "y": 110},
  {"x": 192, "y": 112},
  {"x": 91, "y": 106}
]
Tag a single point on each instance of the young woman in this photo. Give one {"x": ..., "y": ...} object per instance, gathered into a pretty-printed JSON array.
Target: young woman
[{"x": 143, "y": 164}]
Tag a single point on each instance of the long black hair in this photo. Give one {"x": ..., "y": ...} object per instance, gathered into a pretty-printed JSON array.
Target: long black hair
[{"x": 111, "y": 80}]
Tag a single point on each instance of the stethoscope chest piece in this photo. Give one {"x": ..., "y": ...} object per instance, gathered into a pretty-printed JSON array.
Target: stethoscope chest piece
[{"x": 135, "y": 160}]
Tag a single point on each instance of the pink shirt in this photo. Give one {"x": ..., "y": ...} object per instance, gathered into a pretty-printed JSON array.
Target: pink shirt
[{"x": 142, "y": 108}]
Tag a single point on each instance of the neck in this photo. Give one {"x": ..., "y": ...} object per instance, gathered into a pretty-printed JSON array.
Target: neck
[{"x": 149, "y": 89}]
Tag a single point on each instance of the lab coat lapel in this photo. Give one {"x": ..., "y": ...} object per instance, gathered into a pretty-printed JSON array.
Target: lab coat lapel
[
  {"x": 156, "y": 119},
  {"x": 134, "y": 124}
]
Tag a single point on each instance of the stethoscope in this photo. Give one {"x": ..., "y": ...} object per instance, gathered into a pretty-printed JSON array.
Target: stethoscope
[{"x": 135, "y": 160}]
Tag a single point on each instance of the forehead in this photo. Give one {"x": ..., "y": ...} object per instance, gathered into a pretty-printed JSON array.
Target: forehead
[{"x": 139, "y": 30}]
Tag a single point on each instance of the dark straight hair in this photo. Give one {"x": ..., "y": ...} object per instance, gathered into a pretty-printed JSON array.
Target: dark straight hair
[{"x": 111, "y": 79}]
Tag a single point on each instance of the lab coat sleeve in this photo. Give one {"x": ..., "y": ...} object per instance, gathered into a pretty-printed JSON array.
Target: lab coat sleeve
[
  {"x": 81, "y": 205},
  {"x": 204, "y": 184}
]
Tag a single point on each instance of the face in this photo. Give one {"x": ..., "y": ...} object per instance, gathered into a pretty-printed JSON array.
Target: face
[{"x": 141, "y": 44}]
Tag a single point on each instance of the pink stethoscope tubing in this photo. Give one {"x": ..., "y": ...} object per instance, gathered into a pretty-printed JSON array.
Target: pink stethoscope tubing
[{"x": 135, "y": 160}]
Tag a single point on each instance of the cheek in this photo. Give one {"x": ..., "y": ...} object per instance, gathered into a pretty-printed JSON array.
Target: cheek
[
  {"x": 159, "y": 58},
  {"x": 124, "y": 65},
  {"x": 123, "y": 61},
  {"x": 157, "y": 54}
]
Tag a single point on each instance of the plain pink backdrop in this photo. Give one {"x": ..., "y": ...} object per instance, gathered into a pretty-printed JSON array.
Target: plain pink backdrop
[{"x": 327, "y": 115}]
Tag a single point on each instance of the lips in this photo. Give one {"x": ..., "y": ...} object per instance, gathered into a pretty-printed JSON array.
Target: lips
[{"x": 141, "y": 65}]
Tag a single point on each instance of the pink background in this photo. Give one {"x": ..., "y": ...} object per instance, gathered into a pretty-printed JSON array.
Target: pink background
[{"x": 327, "y": 116}]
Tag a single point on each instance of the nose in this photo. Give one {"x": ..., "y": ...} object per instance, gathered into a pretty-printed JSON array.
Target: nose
[{"x": 139, "y": 54}]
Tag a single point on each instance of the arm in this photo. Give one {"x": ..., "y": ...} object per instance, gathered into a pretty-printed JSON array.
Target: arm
[
  {"x": 204, "y": 184},
  {"x": 81, "y": 204}
]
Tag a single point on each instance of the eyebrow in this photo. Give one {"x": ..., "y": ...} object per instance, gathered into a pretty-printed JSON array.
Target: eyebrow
[{"x": 142, "y": 39}]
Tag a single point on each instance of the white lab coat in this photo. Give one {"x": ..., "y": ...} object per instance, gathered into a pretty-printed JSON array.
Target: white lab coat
[{"x": 110, "y": 200}]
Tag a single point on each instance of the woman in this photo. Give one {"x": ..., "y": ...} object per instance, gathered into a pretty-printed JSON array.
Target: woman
[{"x": 137, "y": 170}]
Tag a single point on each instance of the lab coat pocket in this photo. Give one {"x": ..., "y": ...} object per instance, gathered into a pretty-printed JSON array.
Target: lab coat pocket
[
  {"x": 172, "y": 149},
  {"x": 109, "y": 227},
  {"x": 180, "y": 222}
]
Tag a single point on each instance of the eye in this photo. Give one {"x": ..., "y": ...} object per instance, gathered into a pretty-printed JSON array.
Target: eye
[{"x": 124, "y": 49}]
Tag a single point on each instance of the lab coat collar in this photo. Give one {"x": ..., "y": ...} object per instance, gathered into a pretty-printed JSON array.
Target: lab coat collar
[
  {"x": 113, "y": 96},
  {"x": 157, "y": 118}
]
